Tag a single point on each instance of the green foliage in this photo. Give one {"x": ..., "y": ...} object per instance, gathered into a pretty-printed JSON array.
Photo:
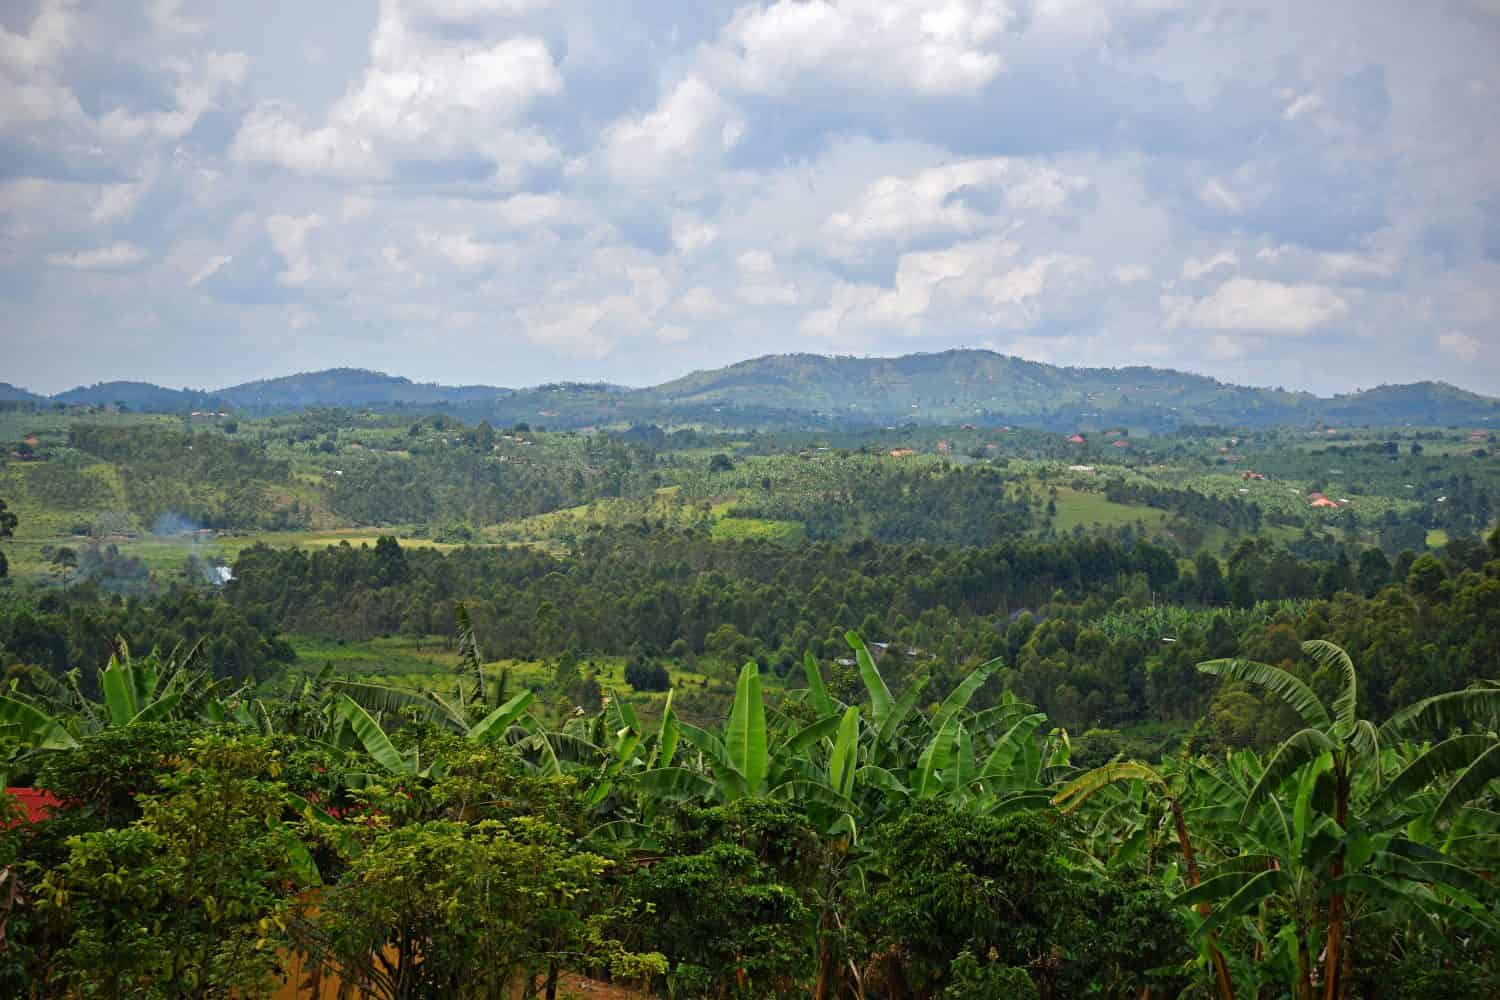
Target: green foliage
[
  {"x": 727, "y": 903},
  {"x": 454, "y": 909},
  {"x": 177, "y": 903},
  {"x": 969, "y": 980}
]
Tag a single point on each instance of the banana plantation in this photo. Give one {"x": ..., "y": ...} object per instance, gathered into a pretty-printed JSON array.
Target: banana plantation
[{"x": 350, "y": 839}]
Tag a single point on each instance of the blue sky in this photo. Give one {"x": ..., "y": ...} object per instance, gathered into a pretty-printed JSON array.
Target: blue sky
[{"x": 514, "y": 191}]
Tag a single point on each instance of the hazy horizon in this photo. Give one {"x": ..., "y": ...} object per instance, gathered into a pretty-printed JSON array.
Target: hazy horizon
[{"x": 512, "y": 192}]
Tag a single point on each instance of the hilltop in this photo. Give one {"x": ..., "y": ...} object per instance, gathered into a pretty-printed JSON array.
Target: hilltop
[{"x": 810, "y": 390}]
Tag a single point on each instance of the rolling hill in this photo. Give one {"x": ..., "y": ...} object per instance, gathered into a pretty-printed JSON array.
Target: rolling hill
[{"x": 809, "y": 390}]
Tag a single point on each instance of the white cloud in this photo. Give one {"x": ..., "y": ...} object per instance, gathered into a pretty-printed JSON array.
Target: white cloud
[
  {"x": 977, "y": 283},
  {"x": 701, "y": 303},
  {"x": 201, "y": 83},
  {"x": 1251, "y": 305},
  {"x": 932, "y": 47},
  {"x": 52, "y": 32},
  {"x": 467, "y": 10},
  {"x": 117, "y": 202},
  {"x": 1299, "y": 105},
  {"x": 760, "y": 282},
  {"x": 461, "y": 249},
  {"x": 691, "y": 119},
  {"x": 1461, "y": 345},
  {"x": 423, "y": 96},
  {"x": 167, "y": 16},
  {"x": 30, "y": 63},
  {"x": 524, "y": 210},
  {"x": 1195, "y": 268},
  {"x": 289, "y": 235},
  {"x": 942, "y": 199},
  {"x": 1216, "y": 195},
  {"x": 1356, "y": 265},
  {"x": 209, "y": 269},
  {"x": 115, "y": 257},
  {"x": 1130, "y": 274},
  {"x": 691, "y": 234}
]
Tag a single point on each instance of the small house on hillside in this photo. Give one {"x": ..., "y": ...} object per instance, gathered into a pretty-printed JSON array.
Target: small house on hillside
[
  {"x": 1122, "y": 443},
  {"x": 1076, "y": 439},
  {"x": 1253, "y": 475},
  {"x": 901, "y": 452},
  {"x": 1319, "y": 500}
]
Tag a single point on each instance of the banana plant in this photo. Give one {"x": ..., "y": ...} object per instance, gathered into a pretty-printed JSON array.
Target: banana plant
[
  {"x": 30, "y": 727},
  {"x": 135, "y": 691},
  {"x": 739, "y": 763},
  {"x": 1334, "y": 846},
  {"x": 1473, "y": 757},
  {"x": 369, "y": 735},
  {"x": 1149, "y": 781}
]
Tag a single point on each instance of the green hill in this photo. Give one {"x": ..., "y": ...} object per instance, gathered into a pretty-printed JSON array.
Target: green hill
[
  {"x": 143, "y": 397},
  {"x": 15, "y": 394},
  {"x": 814, "y": 391},
  {"x": 350, "y": 387}
]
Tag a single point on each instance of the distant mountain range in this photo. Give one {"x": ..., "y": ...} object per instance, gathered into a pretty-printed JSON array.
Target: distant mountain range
[{"x": 813, "y": 391}]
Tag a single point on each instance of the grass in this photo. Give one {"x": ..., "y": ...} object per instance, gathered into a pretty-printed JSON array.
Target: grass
[
  {"x": 1076, "y": 507},
  {"x": 739, "y": 529}
]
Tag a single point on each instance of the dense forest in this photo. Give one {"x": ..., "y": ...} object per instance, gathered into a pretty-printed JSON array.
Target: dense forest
[{"x": 427, "y": 708}]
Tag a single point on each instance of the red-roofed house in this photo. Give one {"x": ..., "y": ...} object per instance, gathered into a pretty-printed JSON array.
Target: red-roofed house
[
  {"x": 36, "y": 803},
  {"x": 1122, "y": 443},
  {"x": 1076, "y": 439}
]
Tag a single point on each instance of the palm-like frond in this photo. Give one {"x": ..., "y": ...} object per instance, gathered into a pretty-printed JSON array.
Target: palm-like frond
[
  {"x": 1281, "y": 683},
  {"x": 1443, "y": 713},
  {"x": 1330, "y": 657},
  {"x": 1299, "y": 750},
  {"x": 383, "y": 699},
  {"x": 1081, "y": 789},
  {"x": 1446, "y": 757},
  {"x": 1471, "y": 783},
  {"x": 881, "y": 702}
]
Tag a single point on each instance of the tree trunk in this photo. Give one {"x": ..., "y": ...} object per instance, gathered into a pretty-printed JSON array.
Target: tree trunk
[
  {"x": 1304, "y": 968},
  {"x": 1221, "y": 967},
  {"x": 1333, "y": 951},
  {"x": 552, "y": 980},
  {"x": 825, "y": 962}
]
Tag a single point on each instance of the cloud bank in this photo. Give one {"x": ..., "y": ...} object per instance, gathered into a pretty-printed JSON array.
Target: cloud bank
[{"x": 512, "y": 191}]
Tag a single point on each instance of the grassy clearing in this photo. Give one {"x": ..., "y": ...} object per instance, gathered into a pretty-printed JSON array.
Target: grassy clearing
[
  {"x": 739, "y": 529},
  {"x": 1076, "y": 507}
]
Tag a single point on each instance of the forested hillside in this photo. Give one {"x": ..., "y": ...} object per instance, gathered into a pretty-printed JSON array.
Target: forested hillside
[
  {"x": 921, "y": 711},
  {"x": 813, "y": 391}
]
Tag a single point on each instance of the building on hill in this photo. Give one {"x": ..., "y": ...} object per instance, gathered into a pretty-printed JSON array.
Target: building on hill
[{"x": 1076, "y": 439}]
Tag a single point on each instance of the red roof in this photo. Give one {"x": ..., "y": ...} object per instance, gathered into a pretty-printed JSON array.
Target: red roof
[
  {"x": 38, "y": 803},
  {"x": 1122, "y": 443},
  {"x": 1076, "y": 439}
]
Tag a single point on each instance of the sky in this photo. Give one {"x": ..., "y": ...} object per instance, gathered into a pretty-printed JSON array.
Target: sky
[{"x": 518, "y": 191}]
